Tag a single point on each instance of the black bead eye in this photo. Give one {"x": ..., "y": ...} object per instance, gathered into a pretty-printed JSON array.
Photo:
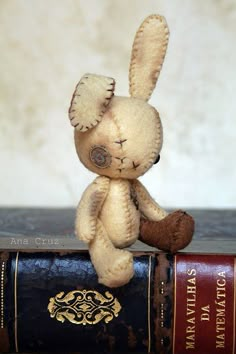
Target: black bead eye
[
  {"x": 157, "y": 159},
  {"x": 100, "y": 156}
]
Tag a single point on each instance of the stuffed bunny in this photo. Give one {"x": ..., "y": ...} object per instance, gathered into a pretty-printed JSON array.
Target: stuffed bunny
[{"x": 120, "y": 138}]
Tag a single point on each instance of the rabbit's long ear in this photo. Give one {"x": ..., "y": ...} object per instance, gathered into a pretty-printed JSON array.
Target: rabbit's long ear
[
  {"x": 90, "y": 99},
  {"x": 148, "y": 53}
]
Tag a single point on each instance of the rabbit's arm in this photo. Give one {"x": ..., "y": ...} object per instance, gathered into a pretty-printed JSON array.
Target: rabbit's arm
[
  {"x": 89, "y": 207},
  {"x": 147, "y": 205}
]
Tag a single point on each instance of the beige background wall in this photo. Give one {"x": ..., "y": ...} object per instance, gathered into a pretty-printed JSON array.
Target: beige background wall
[{"x": 45, "y": 46}]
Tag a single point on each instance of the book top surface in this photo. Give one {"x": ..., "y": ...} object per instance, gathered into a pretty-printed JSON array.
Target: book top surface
[{"x": 53, "y": 229}]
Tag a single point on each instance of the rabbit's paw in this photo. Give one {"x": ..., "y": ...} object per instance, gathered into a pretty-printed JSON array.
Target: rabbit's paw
[
  {"x": 170, "y": 234},
  {"x": 119, "y": 272}
]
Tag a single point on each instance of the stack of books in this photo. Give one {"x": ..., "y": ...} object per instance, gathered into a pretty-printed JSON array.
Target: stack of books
[{"x": 50, "y": 299}]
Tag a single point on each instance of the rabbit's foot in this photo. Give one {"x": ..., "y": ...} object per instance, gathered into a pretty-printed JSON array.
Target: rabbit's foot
[
  {"x": 119, "y": 272},
  {"x": 170, "y": 234},
  {"x": 114, "y": 266}
]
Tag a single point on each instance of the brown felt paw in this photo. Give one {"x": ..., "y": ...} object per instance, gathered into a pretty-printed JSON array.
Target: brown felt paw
[{"x": 170, "y": 234}]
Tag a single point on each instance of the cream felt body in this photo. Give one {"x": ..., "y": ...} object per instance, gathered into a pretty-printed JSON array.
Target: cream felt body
[
  {"x": 119, "y": 138},
  {"x": 107, "y": 218},
  {"x": 119, "y": 215},
  {"x": 96, "y": 216}
]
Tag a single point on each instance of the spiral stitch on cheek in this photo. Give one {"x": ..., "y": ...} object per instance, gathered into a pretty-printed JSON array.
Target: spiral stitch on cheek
[{"x": 100, "y": 156}]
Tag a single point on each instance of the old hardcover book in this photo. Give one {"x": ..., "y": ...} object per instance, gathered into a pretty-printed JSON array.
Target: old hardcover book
[{"x": 51, "y": 300}]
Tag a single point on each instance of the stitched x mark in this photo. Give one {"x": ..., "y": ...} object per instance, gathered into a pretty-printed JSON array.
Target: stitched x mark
[
  {"x": 121, "y": 159},
  {"x": 135, "y": 165},
  {"x": 120, "y": 169},
  {"x": 121, "y": 142}
]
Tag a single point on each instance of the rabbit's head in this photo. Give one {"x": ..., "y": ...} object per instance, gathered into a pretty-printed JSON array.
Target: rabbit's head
[{"x": 121, "y": 137}]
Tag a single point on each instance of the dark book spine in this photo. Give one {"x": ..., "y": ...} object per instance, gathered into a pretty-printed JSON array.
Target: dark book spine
[{"x": 174, "y": 304}]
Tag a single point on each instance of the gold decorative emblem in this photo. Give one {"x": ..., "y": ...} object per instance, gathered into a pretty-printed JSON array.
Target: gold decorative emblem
[{"x": 84, "y": 307}]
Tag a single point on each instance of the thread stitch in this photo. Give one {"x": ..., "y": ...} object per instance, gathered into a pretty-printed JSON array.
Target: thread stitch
[{"x": 113, "y": 117}]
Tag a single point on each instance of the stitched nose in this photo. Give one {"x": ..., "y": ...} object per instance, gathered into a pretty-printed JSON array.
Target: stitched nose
[{"x": 157, "y": 159}]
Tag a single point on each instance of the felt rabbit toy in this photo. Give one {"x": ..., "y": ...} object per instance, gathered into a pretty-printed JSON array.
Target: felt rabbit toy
[{"x": 120, "y": 138}]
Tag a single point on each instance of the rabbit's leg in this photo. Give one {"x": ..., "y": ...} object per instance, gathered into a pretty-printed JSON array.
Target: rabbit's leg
[
  {"x": 170, "y": 234},
  {"x": 113, "y": 266}
]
